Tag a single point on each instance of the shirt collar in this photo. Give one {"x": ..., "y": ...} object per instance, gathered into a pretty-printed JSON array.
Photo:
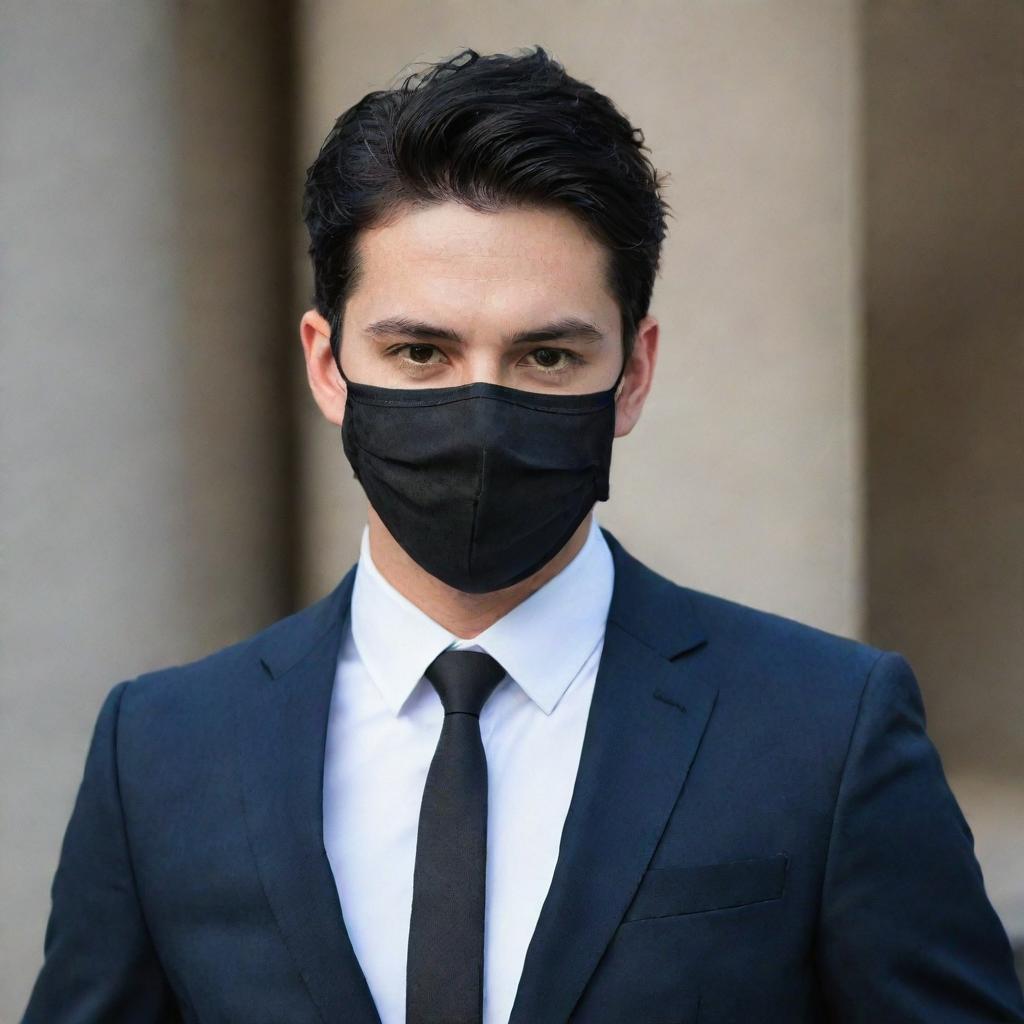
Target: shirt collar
[{"x": 542, "y": 643}]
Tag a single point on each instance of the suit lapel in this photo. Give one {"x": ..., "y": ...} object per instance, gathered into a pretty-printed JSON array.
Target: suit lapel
[
  {"x": 282, "y": 735},
  {"x": 647, "y": 716}
]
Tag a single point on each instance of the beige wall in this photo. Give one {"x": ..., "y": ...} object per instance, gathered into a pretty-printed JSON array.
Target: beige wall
[
  {"x": 944, "y": 265},
  {"x": 743, "y": 476},
  {"x": 235, "y": 161}
]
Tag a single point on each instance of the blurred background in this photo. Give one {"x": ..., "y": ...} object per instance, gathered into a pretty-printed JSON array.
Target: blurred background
[{"x": 835, "y": 431}]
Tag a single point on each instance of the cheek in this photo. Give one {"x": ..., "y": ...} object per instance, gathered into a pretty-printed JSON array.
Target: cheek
[{"x": 357, "y": 360}]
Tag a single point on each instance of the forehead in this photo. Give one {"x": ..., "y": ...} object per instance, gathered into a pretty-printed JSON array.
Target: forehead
[{"x": 447, "y": 256}]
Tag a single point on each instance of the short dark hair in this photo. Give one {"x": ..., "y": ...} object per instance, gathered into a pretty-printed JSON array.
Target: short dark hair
[{"x": 490, "y": 132}]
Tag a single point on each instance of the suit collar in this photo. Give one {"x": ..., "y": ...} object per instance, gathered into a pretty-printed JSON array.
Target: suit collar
[
  {"x": 286, "y": 643},
  {"x": 649, "y": 607},
  {"x": 649, "y": 710}
]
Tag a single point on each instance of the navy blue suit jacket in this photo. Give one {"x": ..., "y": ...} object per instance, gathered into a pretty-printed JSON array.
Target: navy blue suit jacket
[{"x": 760, "y": 831}]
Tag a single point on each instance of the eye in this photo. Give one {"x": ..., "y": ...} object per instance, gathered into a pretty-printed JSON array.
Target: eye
[
  {"x": 416, "y": 355},
  {"x": 420, "y": 353},
  {"x": 554, "y": 359}
]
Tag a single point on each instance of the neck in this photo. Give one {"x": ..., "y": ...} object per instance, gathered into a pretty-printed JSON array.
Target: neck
[{"x": 465, "y": 615}]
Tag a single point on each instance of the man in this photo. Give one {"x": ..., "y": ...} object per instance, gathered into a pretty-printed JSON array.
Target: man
[{"x": 504, "y": 771}]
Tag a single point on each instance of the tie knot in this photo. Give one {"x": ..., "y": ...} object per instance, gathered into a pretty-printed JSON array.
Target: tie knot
[{"x": 464, "y": 680}]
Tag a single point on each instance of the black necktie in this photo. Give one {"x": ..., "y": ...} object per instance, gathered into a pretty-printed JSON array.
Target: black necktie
[{"x": 445, "y": 967}]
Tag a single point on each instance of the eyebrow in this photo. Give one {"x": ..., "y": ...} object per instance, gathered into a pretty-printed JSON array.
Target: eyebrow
[{"x": 569, "y": 327}]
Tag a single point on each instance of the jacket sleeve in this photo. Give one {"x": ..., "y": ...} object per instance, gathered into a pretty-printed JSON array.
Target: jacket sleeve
[
  {"x": 99, "y": 964},
  {"x": 906, "y": 930}
]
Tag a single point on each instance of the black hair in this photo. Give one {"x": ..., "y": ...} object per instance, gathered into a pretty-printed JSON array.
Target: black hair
[{"x": 490, "y": 132}]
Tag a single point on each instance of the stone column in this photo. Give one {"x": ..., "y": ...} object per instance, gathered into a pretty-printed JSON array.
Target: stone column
[
  {"x": 144, "y": 419},
  {"x": 944, "y": 252}
]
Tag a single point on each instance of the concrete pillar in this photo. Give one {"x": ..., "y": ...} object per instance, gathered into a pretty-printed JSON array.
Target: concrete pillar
[
  {"x": 945, "y": 362},
  {"x": 944, "y": 239},
  {"x": 144, "y": 420}
]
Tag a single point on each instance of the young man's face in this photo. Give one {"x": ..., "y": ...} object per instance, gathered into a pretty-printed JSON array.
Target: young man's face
[{"x": 451, "y": 296}]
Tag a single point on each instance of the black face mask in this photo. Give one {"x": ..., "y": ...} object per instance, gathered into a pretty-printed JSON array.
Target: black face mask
[{"x": 481, "y": 484}]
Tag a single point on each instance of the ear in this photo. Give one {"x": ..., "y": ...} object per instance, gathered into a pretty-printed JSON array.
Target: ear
[
  {"x": 637, "y": 378},
  {"x": 325, "y": 381}
]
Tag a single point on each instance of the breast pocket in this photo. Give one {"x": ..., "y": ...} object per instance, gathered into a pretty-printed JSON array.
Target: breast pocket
[{"x": 672, "y": 891}]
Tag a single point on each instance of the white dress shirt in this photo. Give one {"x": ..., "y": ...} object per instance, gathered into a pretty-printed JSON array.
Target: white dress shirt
[{"x": 385, "y": 720}]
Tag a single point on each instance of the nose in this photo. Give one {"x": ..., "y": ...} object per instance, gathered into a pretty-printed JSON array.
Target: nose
[{"x": 483, "y": 367}]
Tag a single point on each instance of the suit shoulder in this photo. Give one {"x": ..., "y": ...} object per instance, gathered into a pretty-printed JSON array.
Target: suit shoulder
[
  {"x": 207, "y": 677},
  {"x": 780, "y": 645},
  {"x": 783, "y": 673},
  {"x": 740, "y": 639}
]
